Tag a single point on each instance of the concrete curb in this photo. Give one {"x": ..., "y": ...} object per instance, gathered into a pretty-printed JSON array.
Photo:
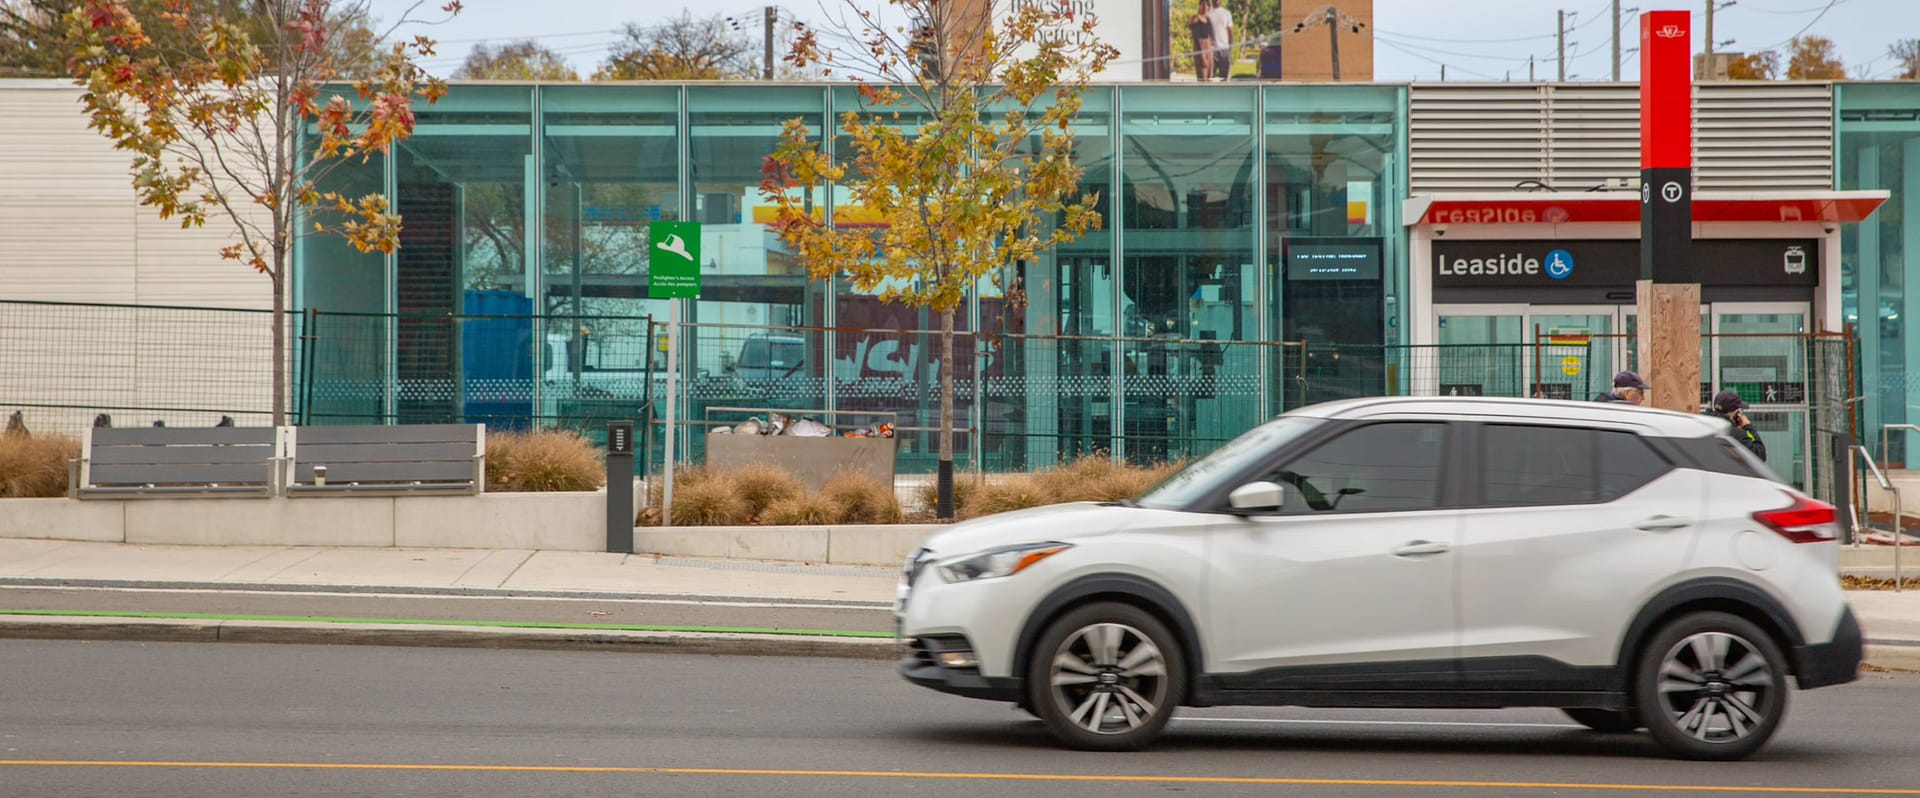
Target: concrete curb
[{"x": 196, "y": 631}]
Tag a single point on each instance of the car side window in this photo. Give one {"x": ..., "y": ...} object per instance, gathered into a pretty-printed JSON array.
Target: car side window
[
  {"x": 1626, "y": 463},
  {"x": 1525, "y": 465},
  {"x": 1376, "y": 468},
  {"x": 1534, "y": 466}
]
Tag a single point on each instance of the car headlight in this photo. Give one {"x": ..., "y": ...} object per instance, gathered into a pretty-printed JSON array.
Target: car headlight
[{"x": 1003, "y": 561}]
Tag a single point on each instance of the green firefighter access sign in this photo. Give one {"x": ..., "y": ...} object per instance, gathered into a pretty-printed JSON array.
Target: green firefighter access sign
[{"x": 673, "y": 260}]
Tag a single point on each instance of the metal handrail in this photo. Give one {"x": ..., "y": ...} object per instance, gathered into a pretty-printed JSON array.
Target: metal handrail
[{"x": 1887, "y": 485}]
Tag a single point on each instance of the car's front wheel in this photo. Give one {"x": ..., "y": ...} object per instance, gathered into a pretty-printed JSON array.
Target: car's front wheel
[
  {"x": 1711, "y": 686},
  {"x": 1106, "y": 677}
]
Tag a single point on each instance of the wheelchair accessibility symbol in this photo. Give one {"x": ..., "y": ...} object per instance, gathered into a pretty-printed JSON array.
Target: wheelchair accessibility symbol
[{"x": 1559, "y": 264}]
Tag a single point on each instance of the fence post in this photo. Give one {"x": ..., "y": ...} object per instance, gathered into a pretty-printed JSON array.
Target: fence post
[{"x": 307, "y": 339}]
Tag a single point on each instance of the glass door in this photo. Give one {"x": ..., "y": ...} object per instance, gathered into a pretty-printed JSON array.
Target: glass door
[
  {"x": 1479, "y": 351},
  {"x": 1763, "y": 356}
]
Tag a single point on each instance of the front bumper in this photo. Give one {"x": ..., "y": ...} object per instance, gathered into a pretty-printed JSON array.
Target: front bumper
[
  {"x": 1834, "y": 662},
  {"x": 920, "y": 666}
]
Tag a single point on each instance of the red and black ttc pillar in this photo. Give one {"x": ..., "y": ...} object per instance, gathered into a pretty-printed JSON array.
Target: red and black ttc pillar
[{"x": 1666, "y": 146}]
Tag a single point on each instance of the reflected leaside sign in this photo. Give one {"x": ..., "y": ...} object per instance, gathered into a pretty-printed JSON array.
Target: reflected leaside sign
[{"x": 1616, "y": 263}]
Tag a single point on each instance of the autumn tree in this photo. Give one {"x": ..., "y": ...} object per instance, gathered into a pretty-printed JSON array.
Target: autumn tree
[
  {"x": 215, "y": 112},
  {"x": 1754, "y": 66},
  {"x": 526, "y": 59},
  {"x": 33, "y": 33},
  {"x": 1906, "y": 53},
  {"x": 1814, "y": 58},
  {"x": 984, "y": 178},
  {"x": 686, "y": 48}
]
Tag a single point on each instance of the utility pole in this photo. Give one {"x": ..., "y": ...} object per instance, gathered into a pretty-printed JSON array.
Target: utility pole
[
  {"x": 1710, "y": 5},
  {"x": 1616, "y": 41},
  {"x": 1560, "y": 47},
  {"x": 1333, "y": 39},
  {"x": 1530, "y": 78},
  {"x": 767, "y": 73},
  {"x": 1443, "y": 73}
]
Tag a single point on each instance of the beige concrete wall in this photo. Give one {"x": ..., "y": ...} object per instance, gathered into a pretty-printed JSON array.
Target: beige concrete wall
[{"x": 71, "y": 230}]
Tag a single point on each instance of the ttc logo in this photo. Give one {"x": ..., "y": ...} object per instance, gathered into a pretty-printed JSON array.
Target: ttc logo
[{"x": 1559, "y": 264}]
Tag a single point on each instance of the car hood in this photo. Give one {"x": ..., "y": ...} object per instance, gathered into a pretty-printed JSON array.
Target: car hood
[{"x": 1061, "y": 522}]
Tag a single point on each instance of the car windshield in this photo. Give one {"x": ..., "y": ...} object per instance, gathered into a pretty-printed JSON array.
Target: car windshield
[
  {"x": 760, "y": 353},
  {"x": 1185, "y": 487}
]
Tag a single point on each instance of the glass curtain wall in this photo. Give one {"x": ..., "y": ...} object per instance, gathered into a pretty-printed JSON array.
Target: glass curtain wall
[
  {"x": 461, "y": 187},
  {"x": 344, "y": 347},
  {"x": 611, "y": 160},
  {"x": 757, "y": 340},
  {"x": 1879, "y": 147},
  {"x": 1332, "y": 211},
  {"x": 1151, "y": 338},
  {"x": 1190, "y": 279},
  {"x": 1058, "y": 360}
]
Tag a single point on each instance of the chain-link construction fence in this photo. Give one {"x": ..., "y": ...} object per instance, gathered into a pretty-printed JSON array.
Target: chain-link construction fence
[{"x": 1020, "y": 401}]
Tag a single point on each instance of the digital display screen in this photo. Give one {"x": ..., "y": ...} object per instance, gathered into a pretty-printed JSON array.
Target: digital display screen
[{"x": 1333, "y": 260}]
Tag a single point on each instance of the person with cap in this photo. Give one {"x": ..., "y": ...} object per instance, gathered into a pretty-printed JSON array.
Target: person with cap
[
  {"x": 1727, "y": 405},
  {"x": 1628, "y": 388}
]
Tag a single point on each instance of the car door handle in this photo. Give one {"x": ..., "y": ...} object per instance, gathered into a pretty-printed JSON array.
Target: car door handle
[
  {"x": 1662, "y": 523},
  {"x": 1419, "y": 548}
]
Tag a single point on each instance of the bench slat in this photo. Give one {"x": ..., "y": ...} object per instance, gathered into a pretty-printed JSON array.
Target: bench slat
[
  {"x": 377, "y": 433},
  {"x": 162, "y": 455},
  {"x": 179, "y": 473},
  {"x": 331, "y": 453},
  {"x": 151, "y": 436},
  {"x": 389, "y": 472}
]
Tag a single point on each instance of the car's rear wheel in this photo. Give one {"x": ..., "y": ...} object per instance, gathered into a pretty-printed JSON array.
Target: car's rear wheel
[
  {"x": 1605, "y": 721},
  {"x": 1106, "y": 677},
  {"x": 1711, "y": 686}
]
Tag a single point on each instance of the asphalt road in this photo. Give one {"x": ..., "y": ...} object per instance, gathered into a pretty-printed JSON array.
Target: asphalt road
[
  {"x": 168, "y": 719},
  {"x": 481, "y": 606}
]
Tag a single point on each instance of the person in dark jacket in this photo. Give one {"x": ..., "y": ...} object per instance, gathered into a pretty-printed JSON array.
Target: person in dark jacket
[
  {"x": 1628, "y": 388},
  {"x": 1728, "y": 405}
]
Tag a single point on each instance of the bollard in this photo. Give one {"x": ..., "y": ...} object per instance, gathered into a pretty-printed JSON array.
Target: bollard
[{"x": 620, "y": 487}]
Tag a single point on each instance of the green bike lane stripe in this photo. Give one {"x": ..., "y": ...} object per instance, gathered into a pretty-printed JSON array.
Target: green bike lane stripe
[{"x": 582, "y": 627}]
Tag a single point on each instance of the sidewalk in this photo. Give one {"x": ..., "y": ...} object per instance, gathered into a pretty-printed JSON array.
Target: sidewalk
[{"x": 495, "y": 598}]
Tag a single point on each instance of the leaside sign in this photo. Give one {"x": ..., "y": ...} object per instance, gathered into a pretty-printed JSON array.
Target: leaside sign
[{"x": 1615, "y": 263}]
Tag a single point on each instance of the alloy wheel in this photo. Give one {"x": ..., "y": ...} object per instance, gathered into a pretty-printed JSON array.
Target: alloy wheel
[{"x": 1109, "y": 678}]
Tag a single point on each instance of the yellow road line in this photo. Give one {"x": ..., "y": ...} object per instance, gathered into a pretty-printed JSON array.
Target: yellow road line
[{"x": 1056, "y": 777}]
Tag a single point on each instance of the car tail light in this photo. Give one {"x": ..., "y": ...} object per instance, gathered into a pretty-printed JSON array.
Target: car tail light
[{"x": 1804, "y": 521}]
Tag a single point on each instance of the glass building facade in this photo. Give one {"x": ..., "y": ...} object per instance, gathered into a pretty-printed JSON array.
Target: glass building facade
[
  {"x": 518, "y": 295},
  {"x": 1877, "y": 143}
]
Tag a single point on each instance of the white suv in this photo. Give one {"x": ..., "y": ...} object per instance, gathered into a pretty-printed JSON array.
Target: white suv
[{"x": 1634, "y": 567}]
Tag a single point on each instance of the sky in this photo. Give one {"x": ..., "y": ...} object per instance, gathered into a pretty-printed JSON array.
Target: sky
[{"x": 1476, "y": 39}]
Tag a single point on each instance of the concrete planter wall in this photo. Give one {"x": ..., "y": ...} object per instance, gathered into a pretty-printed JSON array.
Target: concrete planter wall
[
  {"x": 553, "y": 521},
  {"x": 850, "y": 544}
]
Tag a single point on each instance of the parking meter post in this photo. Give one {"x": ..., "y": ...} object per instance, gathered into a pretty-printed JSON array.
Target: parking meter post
[{"x": 620, "y": 510}]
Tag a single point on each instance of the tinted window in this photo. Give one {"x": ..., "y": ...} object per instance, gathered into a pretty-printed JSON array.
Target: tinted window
[
  {"x": 1524, "y": 466},
  {"x": 1626, "y": 463},
  {"x": 1376, "y": 468}
]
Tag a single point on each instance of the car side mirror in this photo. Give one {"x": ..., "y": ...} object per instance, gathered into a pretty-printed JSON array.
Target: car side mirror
[{"x": 1257, "y": 497}]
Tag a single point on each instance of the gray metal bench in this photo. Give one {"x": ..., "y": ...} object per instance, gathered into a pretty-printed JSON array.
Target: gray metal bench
[
  {"x": 393, "y": 461},
  {"x": 169, "y": 462}
]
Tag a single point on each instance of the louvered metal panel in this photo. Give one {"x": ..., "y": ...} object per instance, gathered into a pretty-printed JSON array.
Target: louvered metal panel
[{"x": 1573, "y": 137}]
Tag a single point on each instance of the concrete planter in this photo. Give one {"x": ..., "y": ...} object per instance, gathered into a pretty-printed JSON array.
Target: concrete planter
[
  {"x": 552, "y": 521},
  {"x": 63, "y": 519},
  {"x": 848, "y": 544}
]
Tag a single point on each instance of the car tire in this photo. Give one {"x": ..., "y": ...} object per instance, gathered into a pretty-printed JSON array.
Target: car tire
[
  {"x": 1711, "y": 686},
  {"x": 1106, "y": 677},
  {"x": 1605, "y": 721}
]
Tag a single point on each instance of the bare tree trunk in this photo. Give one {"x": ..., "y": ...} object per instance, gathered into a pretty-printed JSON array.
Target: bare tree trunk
[
  {"x": 945, "y": 475},
  {"x": 279, "y": 341}
]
